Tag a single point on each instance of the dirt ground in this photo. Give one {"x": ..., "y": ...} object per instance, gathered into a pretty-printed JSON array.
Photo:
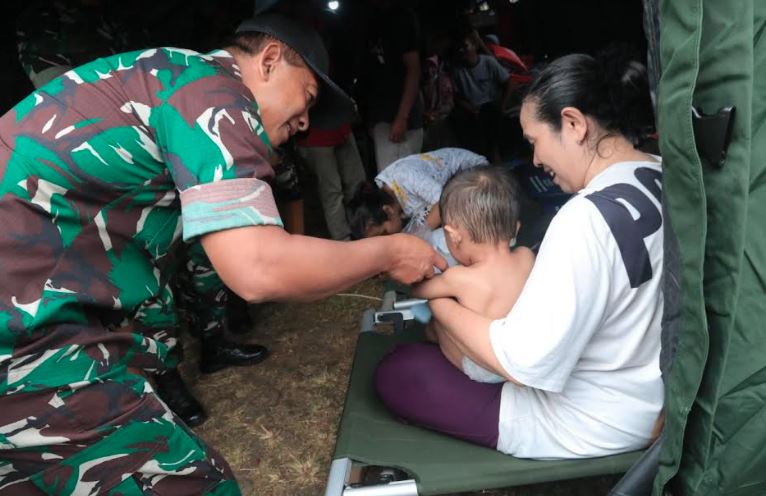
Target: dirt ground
[{"x": 276, "y": 422}]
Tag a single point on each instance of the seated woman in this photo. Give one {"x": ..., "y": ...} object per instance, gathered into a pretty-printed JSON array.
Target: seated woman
[
  {"x": 408, "y": 189},
  {"x": 580, "y": 348}
]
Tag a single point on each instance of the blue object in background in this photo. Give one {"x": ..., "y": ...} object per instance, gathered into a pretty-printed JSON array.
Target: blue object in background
[{"x": 539, "y": 185}]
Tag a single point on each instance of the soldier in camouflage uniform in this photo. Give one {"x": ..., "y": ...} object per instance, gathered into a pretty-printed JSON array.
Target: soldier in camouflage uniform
[
  {"x": 103, "y": 172},
  {"x": 92, "y": 165},
  {"x": 53, "y": 37}
]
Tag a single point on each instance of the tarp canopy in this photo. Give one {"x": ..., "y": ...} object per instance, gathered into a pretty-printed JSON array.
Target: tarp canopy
[{"x": 713, "y": 55}]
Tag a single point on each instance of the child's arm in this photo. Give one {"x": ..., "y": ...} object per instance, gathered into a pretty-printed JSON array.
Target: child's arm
[
  {"x": 441, "y": 286},
  {"x": 503, "y": 77}
]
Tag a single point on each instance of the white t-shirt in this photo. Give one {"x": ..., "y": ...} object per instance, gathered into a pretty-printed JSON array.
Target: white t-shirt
[
  {"x": 584, "y": 335},
  {"x": 418, "y": 180}
]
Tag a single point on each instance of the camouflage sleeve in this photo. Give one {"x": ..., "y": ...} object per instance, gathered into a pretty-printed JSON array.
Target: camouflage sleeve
[
  {"x": 226, "y": 205},
  {"x": 216, "y": 148}
]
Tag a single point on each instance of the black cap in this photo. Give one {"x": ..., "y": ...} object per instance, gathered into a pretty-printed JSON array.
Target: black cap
[{"x": 333, "y": 107}]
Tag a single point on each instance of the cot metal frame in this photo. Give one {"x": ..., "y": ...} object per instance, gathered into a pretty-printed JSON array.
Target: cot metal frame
[{"x": 339, "y": 482}]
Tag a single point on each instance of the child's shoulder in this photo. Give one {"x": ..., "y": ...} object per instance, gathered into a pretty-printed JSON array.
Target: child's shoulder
[
  {"x": 458, "y": 272},
  {"x": 523, "y": 254},
  {"x": 461, "y": 276}
]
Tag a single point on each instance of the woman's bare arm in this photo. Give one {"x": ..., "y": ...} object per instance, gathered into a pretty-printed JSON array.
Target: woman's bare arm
[{"x": 470, "y": 331}]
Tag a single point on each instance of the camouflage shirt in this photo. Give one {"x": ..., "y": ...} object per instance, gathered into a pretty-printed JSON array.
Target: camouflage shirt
[{"x": 102, "y": 171}]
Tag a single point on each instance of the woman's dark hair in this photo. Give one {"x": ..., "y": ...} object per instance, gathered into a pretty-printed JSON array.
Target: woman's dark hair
[
  {"x": 365, "y": 208},
  {"x": 612, "y": 90}
]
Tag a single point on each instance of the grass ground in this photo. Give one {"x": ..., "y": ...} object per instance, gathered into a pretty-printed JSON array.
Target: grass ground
[{"x": 275, "y": 422}]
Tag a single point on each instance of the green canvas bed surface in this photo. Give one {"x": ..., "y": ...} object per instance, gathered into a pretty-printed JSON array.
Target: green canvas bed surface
[{"x": 439, "y": 464}]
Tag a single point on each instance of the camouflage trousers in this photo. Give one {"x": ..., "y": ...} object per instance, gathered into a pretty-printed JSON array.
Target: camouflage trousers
[
  {"x": 109, "y": 438},
  {"x": 70, "y": 433},
  {"x": 191, "y": 291},
  {"x": 202, "y": 296}
]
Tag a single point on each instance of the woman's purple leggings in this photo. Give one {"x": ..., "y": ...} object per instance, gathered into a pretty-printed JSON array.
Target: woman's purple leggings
[{"x": 419, "y": 385}]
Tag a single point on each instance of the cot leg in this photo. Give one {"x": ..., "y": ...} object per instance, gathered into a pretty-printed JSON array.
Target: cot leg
[
  {"x": 339, "y": 473},
  {"x": 339, "y": 478}
]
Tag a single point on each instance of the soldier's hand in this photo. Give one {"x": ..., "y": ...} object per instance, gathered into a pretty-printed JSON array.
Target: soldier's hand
[{"x": 412, "y": 259}]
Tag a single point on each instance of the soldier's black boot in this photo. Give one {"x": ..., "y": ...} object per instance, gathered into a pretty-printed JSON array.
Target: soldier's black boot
[
  {"x": 239, "y": 320},
  {"x": 172, "y": 389},
  {"x": 218, "y": 353}
]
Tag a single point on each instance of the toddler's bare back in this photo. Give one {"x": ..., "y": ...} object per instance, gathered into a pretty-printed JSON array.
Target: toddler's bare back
[{"x": 491, "y": 288}]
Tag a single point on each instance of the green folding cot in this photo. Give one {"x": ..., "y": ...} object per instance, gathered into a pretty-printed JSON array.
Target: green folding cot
[{"x": 370, "y": 435}]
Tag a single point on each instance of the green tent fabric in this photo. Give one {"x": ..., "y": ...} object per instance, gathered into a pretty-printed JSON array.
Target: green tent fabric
[
  {"x": 713, "y": 54},
  {"x": 440, "y": 464}
]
